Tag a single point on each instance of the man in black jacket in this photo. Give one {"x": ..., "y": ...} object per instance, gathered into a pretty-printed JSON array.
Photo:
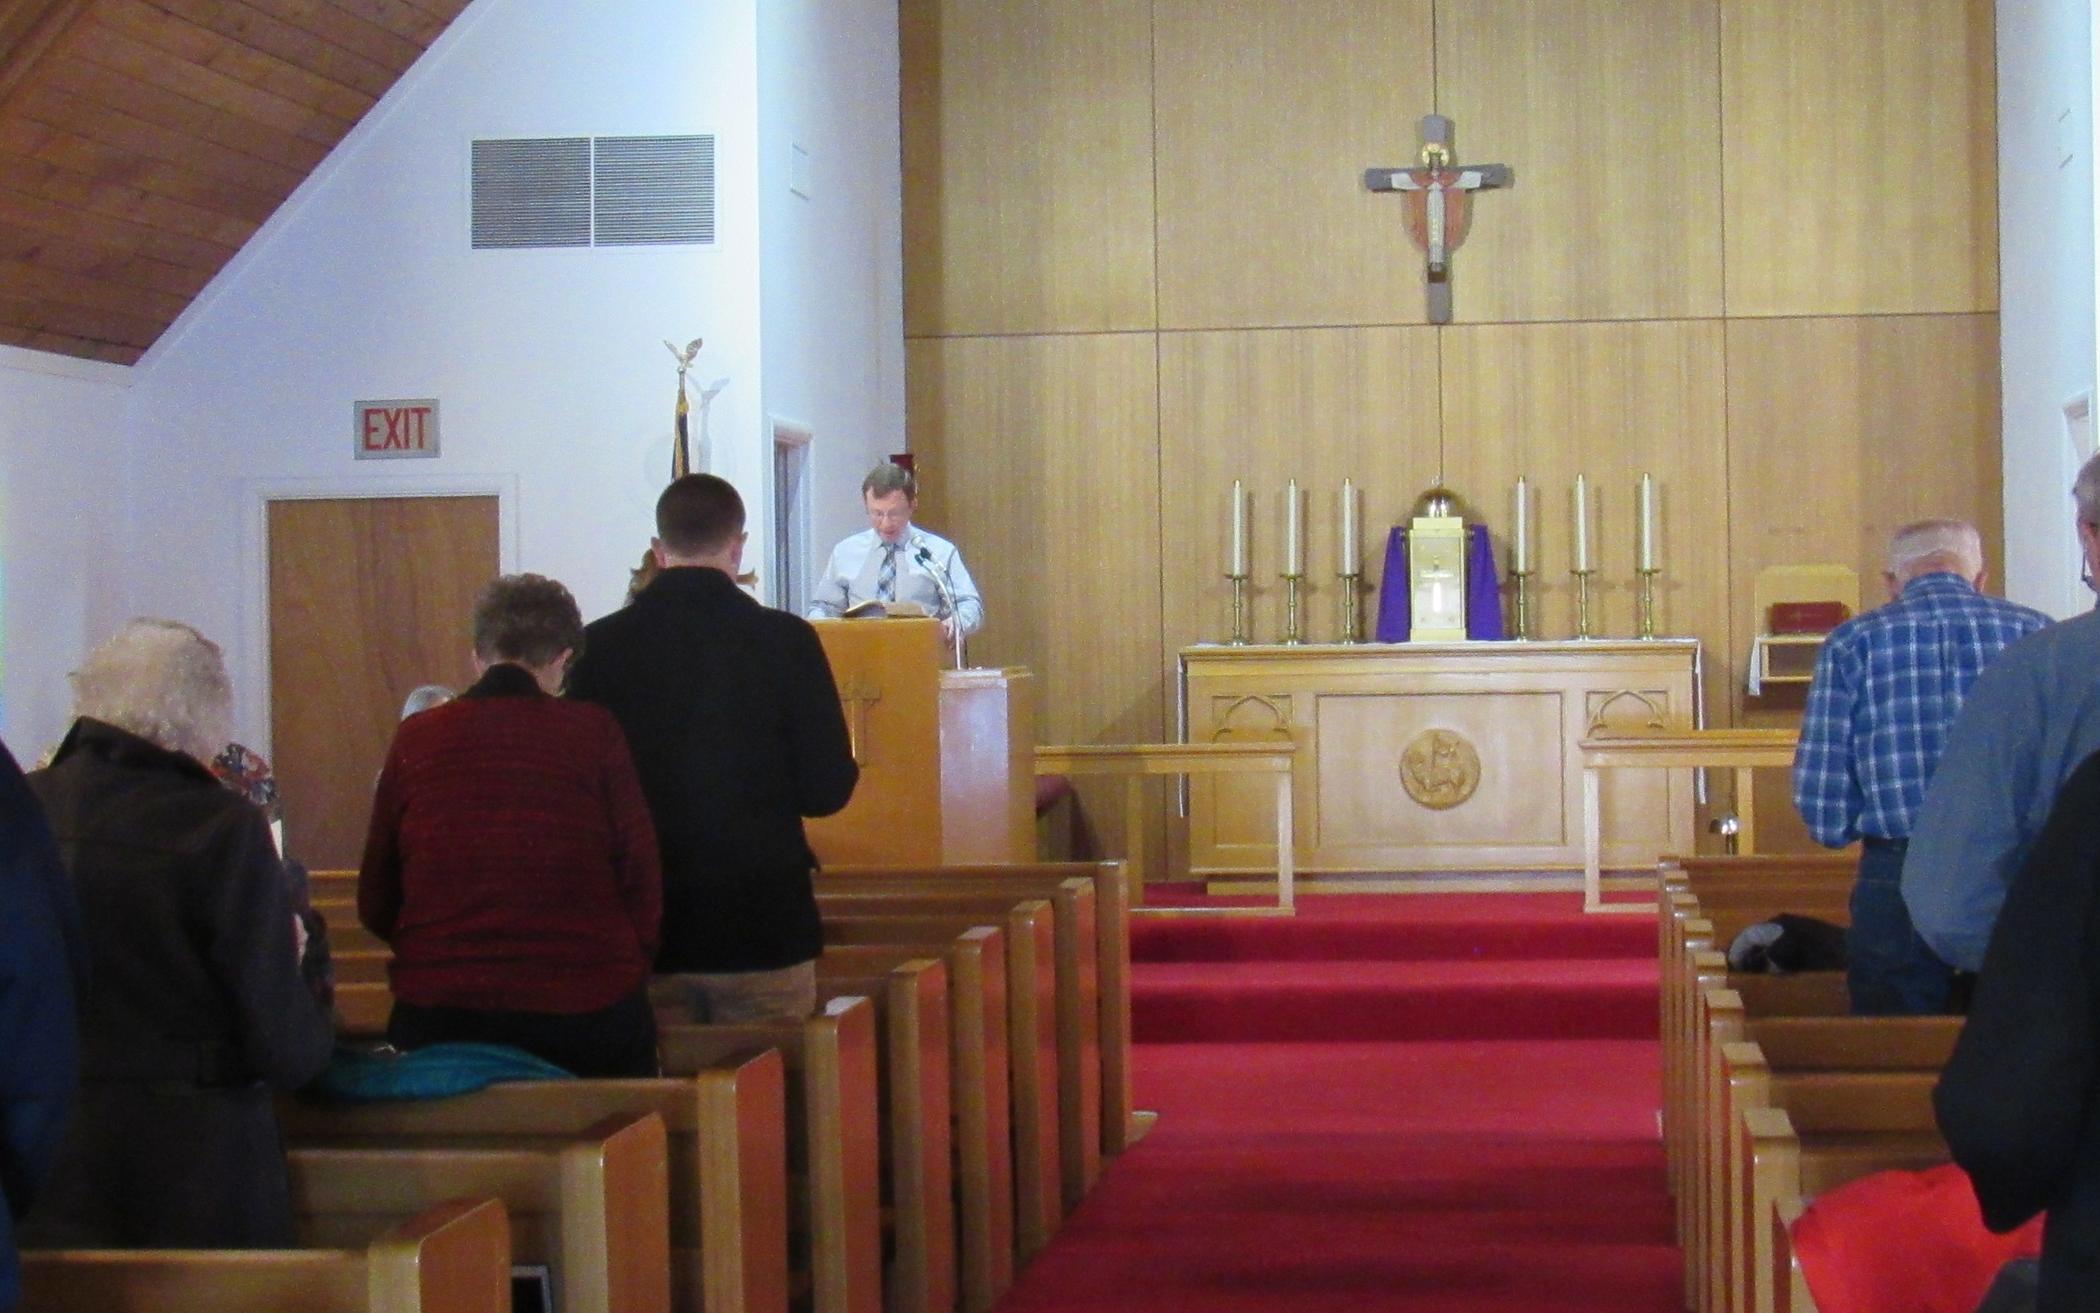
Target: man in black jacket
[{"x": 737, "y": 732}]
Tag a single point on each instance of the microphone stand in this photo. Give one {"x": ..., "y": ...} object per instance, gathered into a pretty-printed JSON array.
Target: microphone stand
[{"x": 923, "y": 555}]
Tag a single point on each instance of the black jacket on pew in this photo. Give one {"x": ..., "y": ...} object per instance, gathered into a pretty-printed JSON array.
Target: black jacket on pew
[
  {"x": 196, "y": 1007},
  {"x": 2018, "y": 1102},
  {"x": 737, "y": 732}
]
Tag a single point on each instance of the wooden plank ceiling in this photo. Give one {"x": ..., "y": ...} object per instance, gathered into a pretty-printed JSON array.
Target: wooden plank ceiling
[{"x": 141, "y": 143}]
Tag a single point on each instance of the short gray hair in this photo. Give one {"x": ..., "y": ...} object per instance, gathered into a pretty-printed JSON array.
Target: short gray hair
[
  {"x": 1949, "y": 544},
  {"x": 425, "y": 696},
  {"x": 163, "y": 681},
  {"x": 2086, "y": 492},
  {"x": 526, "y": 617}
]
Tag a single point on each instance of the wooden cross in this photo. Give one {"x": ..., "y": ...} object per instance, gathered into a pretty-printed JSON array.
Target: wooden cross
[
  {"x": 857, "y": 694},
  {"x": 1439, "y": 193}
]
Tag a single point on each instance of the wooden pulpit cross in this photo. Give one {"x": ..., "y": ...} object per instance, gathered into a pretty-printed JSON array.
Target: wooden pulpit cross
[
  {"x": 856, "y": 695},
  {"x": 1439, "y": 194}
]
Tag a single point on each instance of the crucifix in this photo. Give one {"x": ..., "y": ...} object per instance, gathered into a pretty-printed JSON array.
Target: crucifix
[
  {"x": 858, "y": 693},
  {"x": 1439, "y": 195}
]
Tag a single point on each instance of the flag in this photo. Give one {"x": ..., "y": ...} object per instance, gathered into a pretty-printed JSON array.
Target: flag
[{"x": 681, "y": 453}]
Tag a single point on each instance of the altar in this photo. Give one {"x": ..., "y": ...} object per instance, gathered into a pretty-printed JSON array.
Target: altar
[{"x": 1439, "y": 756}]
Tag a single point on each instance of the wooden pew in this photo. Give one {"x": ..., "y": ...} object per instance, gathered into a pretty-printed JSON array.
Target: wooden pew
[
  {"x": 593, "y": 1209},
  {"x": 1769, "y": 1049},
  {"x": 918, "y": 1172},
  {"x": 726, "y": 1128},
  {"x": 361, "y": 1009},
  {"x": 833, "y": 1136},
  {"x": 1111, "y": 954},
  {"x": 1031, "y": 1044},
  {"x": 1076, "y": 1007},
  {"x": 980, "y": 1101},
  {"x": 451, "y": 1258},
  {"x": 1820, "y": 1131}
]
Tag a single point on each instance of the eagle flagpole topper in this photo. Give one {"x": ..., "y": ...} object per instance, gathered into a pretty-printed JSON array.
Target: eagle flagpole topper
[
  {"x": 681, "y": 448},
  {"x": 1439, "y": 195}
]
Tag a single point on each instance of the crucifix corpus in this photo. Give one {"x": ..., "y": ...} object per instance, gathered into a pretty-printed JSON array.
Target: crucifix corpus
[{"x": 1439, "y": 195}]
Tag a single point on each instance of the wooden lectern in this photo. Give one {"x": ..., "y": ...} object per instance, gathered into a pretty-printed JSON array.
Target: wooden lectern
[{"x": 947, "y": 758}]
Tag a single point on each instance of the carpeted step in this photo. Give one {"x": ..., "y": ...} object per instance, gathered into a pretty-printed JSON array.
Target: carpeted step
[
  {"x": 1263, "y": 1001},
  {"x": 1393, "y": 933}
]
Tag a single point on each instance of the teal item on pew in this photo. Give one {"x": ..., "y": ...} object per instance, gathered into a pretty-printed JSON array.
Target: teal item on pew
[{"x": 435, "y": 1071}]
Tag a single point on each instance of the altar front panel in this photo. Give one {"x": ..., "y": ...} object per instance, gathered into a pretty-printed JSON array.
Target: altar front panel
[{"x": 1428, "y": 757}]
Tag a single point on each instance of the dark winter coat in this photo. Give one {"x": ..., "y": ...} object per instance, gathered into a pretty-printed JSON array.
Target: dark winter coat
[
  {"x": 197, "y": 1013},
  {"x": 737, "y": 734}
]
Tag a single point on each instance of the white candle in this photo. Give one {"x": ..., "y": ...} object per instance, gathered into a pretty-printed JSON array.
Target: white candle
[
  {"x": 1239, "y": 530},
  {"x": 1352, "y": 557},
  {"x": 1293, "y": 540},
  {"x": 1582, "y": 523},
  {"x": 1520, "y": 535},
  {"x": 1647, "y": 552}
]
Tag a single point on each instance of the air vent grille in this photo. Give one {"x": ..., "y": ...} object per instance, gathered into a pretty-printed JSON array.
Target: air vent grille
[
  {"x": 532, "y": 191},
  {"x": 593, "y": 191},
  {"x": 654, "y": 191}
]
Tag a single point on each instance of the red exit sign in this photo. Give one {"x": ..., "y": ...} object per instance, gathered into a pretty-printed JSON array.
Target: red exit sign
[{"x": 393, "y": 430}]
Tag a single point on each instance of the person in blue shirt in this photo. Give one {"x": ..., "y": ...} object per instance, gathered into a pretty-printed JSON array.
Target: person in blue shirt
[
  {"x": 2028, "y": 723},
  {"x": 42, "y": 970},
  {"x": 1886, "y": 687}
]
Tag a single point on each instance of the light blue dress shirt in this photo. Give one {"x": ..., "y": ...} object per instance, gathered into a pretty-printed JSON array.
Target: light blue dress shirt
[
  {"x": 2028, "y": 722},
  {"x": 849, "y": 577}
]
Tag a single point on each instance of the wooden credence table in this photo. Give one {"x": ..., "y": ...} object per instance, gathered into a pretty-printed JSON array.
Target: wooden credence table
[
  {"x": 1137, "y": 760},
  {"x": 1738, "y": 750}
]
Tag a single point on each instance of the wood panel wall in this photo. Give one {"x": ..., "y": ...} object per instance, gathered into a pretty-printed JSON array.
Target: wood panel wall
[{"x": 1751, "y": 250}]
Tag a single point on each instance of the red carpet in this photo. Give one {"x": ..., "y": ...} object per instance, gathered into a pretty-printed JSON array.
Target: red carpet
[{"x": 1413, "y": 1102}]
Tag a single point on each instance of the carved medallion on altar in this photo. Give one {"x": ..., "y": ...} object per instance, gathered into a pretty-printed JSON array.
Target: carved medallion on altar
[
  {"x": 1482, "y": 741},
  {"x": 1440, "y": 769}
]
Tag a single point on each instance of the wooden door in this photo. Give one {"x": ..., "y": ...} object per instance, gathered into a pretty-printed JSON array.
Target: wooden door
[{"x": 369, "y": 597}]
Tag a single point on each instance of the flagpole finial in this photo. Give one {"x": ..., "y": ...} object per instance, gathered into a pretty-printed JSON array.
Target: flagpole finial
[{"x": 681, "y": 457}]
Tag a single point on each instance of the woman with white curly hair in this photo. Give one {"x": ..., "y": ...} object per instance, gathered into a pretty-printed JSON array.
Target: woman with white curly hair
[{"x": 196, "y": 1011}]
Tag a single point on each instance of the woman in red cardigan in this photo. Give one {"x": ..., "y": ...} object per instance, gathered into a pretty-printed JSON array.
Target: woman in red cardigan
[{"x": 511, "y": 862}]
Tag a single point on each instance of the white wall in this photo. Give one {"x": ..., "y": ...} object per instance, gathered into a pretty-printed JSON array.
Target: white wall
[
  {"x": 832, "y": 277},
  {"x": 63, "y": 453},
  {"x": 549, "y": 365},
  {"x": 2046, "y": 272}
]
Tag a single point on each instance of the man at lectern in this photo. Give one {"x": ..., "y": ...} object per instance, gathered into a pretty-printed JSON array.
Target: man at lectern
[{"x": 893, "y": 560}]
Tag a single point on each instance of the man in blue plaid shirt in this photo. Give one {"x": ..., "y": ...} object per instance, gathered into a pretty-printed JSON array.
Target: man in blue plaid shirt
[{"x": 1887, "y": 686}]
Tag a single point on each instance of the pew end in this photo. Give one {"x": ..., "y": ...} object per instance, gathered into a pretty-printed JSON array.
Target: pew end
[{"x": 453, "y": 1257}]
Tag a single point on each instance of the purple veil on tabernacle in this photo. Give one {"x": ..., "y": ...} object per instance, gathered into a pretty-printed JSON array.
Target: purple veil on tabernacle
[{"x": 1483, "y": 588}]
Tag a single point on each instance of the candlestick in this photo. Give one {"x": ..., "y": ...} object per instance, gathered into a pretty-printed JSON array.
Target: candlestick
[
  {"x": 1523, "y": 602},
  {"x": 1293, "y": 630},
  {"x": 1238, "y": 568},
  {"x": 1582, "y": 525},
  {"x": 1293, "y": 539},
  {"x": 1352, "y": 607},
  {"x": 1647, "y": 602},
  {"x": 1582, "y": 602},
  {"x": 1520, "y": 532},
  {"x": 1352, "y": 550},
  {"x": 1647, "y": 543}
]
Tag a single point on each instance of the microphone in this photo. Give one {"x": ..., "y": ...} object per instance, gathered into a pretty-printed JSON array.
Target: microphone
[{"x": 923, "y": 555}]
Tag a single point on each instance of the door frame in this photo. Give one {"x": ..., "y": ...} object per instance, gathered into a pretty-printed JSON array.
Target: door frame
[{"x": 252, "y": 673}]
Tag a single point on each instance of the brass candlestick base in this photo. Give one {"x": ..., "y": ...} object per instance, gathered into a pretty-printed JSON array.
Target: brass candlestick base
[
  {"x": 1647, "y": 601},
  {"x": 1239, "y": 609},
  {"x": 1352, "y": 607},
  {"x": 1582, "y": 602},
  {"x": 1293, "y": 633},
  {"x": 1523, "y": 603}
]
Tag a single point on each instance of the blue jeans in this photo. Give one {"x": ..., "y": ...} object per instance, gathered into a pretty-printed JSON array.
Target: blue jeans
[{"x": 1889, "y": 970}]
